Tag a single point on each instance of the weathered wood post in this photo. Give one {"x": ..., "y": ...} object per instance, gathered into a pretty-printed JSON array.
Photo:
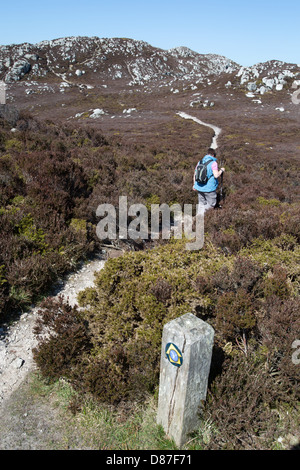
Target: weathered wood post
[{"x": 187, "y": 344}]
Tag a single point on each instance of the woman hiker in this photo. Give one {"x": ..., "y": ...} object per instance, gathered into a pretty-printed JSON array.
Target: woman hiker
[{"x": 207, "y": 192}]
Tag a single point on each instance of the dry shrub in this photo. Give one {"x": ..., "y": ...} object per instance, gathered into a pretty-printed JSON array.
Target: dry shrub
[
  {"x": 235, "y": 314},
  {"x": 240, "y": 405},
  {"x": 162, "y": 290},
  {"x": 123, "y": 374},
  {"x": 276, "y": 284},
  {"x": 279, "y": 327},
  {"x": 63, "y": 338},
  {"x": 244, "y": 275}
]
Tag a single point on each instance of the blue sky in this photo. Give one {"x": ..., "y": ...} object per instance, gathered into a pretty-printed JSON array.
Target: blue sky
[{"x": 247, "y": 32}]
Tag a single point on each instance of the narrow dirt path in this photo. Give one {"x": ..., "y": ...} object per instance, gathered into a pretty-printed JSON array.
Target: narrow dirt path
[
  {"x": 217, "y": 130},
  {"x": 17, "y": 340}
]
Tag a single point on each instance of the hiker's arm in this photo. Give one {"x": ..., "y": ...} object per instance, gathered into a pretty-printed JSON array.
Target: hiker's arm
[{"x": 218, "y": 173}]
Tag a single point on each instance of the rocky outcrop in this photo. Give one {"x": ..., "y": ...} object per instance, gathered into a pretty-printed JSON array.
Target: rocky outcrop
[
  {"x": 20, "y": 68},
  {"x": 74, "y": 60},
  {"x": 268, "y": 76},
  {"x": 135, "y": 61}
]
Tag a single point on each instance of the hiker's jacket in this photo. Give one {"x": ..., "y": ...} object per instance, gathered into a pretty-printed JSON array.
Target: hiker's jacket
[{"x": 212, "y": 182}]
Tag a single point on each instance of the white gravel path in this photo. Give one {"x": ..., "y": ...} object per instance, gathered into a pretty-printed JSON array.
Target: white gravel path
[
  {"x": 216, "y": 129},
  {"x": 17, "y": 340}
]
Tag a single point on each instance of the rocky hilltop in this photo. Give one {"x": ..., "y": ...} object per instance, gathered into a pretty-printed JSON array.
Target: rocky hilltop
[
  {"x": 49, "y": 75},
  {"x": 103, "y": 59},
  {"x": 134, "y": 61}
]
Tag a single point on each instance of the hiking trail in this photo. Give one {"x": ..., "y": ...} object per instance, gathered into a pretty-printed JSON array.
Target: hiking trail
[
  {"x": 217, "y": 130},
  {"x": 18, "y": 340}
]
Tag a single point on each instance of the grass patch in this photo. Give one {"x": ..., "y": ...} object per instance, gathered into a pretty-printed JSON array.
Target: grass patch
[{"x": 88, "y": 425}]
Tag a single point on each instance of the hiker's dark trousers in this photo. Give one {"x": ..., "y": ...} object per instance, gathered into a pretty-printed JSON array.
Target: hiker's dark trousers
[{"x": 206, "y": 201}]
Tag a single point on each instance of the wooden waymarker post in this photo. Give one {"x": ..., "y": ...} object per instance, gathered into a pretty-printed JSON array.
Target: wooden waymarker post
[{"x": 187, "y": 344}]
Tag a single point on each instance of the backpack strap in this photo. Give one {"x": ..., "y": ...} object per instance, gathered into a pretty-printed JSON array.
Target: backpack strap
[{"x": 207, "y": 162}]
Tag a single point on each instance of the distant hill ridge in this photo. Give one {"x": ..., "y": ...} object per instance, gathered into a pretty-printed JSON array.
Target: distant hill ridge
[
  {"x": 121, "y": 59},
  {"x": 102, "y": 58}
]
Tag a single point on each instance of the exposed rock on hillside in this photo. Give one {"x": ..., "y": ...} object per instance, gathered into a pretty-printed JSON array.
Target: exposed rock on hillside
[
  {"x": 272, "y": 75},
  {"x": 134, "y": 61},
  {"x": 88, "y": 62}
]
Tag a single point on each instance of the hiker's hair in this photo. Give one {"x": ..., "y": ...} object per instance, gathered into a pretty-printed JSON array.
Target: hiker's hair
[{"x": 211, "y": 152}]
